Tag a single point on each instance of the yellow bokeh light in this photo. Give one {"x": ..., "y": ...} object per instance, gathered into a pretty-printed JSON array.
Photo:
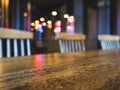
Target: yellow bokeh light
[
  {"x": 71, "y": 19},
  {"x": 42, "y": 19},
  {"x": 65, "y": 15},
  {"x": 54, "y": 13},
  {"x": 36, "y": 21},
  {"x": 33, "y": 24},
  {"x": 25, "y": 14},
  {"x": 49, "y": 22}
]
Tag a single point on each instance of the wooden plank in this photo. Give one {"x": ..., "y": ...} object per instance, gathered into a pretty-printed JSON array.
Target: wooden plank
[
  {"x": 67, "y": 36},
  {"x": 14, "y": 33},
  {"x": 89, "y": 70}
]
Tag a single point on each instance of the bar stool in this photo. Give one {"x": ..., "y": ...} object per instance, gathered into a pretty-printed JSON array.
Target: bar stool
[
  {"x": 15, "y": 35},
  {"x": 109, "y": 41},
  {"x": 71, "y": 42}
]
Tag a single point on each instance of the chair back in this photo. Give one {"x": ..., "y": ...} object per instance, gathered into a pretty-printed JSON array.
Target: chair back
[
  {"x": 15, "y": 41},
  {"x": 71, "y": 42},
  {"x": 109, "y": 41}
]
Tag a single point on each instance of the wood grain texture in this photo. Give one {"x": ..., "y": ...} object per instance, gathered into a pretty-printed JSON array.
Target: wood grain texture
[
  {"x": 67, "y": 36},
  {"x": 17, "y": 34},
  {"x": 89, "y": 70},
  {"x": 109, "y": 37}
]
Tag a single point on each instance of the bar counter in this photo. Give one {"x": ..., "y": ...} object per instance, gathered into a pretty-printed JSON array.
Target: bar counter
[{"x": 89, "y": 70}]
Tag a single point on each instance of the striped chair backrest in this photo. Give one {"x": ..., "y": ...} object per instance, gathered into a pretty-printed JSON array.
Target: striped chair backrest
[
  {"x": 71, "y": 42},
  {"x": 15, "y": 35},
  {"x": 109, "y": 41}
]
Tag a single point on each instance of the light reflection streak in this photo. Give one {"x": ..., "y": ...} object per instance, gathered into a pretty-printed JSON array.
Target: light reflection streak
[{"x": 38, "y": 63}]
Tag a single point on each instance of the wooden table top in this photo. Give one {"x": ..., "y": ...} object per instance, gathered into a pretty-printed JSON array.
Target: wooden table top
[{"x": 89, "y": 70}]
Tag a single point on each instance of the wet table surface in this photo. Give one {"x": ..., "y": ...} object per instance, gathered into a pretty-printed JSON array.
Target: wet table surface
[{"x": 90, "y": 70}]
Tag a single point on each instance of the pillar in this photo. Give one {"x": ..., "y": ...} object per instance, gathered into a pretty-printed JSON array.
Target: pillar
[
  {"x": 63, "y": 20},
  {"x": 29, "y": 15},
  {"x": 17, "y": 26},
  {"x": 79, "y": 15},
  {"x": 15, "y": 20},
  {"x": 113, "y": 14},
  {"x": 0, "y": 13},
  {"x": 17, "y": 9},
  {"x": 104, "y": 17},
  {"x": 91, "y": 32},
  {"x": 5, "y": 13},
  {"x": 118, "y": 16}
]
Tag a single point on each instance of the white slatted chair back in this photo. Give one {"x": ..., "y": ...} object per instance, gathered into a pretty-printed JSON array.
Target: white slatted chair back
[
  {"x": 109, "y": 41},
  {"x": 13, "y": 34},
  {"x": 71, "y": 42}
]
